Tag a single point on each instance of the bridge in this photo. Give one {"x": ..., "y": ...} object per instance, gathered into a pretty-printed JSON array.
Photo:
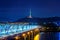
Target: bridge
[
  {"x": 23, "y": 30},
  {"x": 10, "y": 31}
]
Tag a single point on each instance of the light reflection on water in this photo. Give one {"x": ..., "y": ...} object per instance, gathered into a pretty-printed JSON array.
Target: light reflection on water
[
  {"x": 50, "y": 36},
  {"x": 37, "y": 37}
]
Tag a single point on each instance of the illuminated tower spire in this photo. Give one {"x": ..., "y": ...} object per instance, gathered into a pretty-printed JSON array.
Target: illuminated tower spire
[{"x": 30, "y": 15}]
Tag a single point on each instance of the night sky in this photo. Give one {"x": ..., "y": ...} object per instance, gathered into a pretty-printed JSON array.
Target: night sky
[{"x": 15, "y": 9}]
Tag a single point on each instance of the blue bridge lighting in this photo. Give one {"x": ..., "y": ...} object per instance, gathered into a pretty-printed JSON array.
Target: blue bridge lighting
[{"x": 12, "y": 28}]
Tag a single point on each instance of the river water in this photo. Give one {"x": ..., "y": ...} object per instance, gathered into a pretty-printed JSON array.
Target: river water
[
  {"x": 47, "y": 36},
  {"x": 50, "y": 36}
]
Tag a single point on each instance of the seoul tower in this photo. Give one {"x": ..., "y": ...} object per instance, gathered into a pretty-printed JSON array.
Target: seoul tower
[{"x": 30, "y": 15}]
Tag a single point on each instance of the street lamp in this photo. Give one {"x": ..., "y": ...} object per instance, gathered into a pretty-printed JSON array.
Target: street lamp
[
  {"x": 24, "y": 35},
  {"x": 31, "y": 31},
  {"x": 28, "y": 34},
  {"x": 17, "y": 37},
  {"x": 32, "y": 34}
]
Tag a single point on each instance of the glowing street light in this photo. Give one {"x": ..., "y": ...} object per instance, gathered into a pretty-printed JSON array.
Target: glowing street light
[
  {"x": 24, "y": 35},
  {"x": 31, "y": 31},
  {"x": 28, "y": 33},
  {"x": 17, "y": 37},
  {"x": 32, "y": 34}
]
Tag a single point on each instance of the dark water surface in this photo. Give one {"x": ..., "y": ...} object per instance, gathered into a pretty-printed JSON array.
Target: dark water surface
[{"x": 50, "y": 36}]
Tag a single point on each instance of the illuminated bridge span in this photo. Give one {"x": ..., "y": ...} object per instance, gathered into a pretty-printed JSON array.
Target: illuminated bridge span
[
  {"x": 9, "y": 29},
  {"x": 21, "y": 27}
]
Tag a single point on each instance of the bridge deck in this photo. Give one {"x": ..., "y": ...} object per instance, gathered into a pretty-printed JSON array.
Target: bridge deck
[{"x": 12, "y": 29}]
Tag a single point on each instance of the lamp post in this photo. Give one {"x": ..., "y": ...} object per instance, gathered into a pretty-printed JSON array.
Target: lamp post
[
  {"x": 24, "y": 35},
  {"x": 28, "y": 34},
  {"x": 32, "y": 35},
  {"x": 17, "y": 38}
]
